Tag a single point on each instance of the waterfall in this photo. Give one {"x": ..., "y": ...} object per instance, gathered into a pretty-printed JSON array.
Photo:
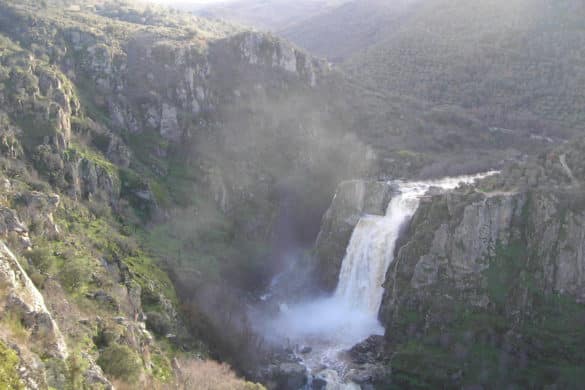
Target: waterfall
[
  {"x": 370, "y": 252},
  {"x": 371, "y": 247},
  {"x": 333, "y": 324}
]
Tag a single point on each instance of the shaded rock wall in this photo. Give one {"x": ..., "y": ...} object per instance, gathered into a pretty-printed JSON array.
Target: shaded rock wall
[{"x": 352, "y": 200}]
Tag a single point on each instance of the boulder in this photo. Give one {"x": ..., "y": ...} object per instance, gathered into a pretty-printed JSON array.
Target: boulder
[{"x": 291, "y": 376}]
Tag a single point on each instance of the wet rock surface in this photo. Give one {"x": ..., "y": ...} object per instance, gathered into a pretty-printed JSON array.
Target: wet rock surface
[{"x": 352, "y": 200}]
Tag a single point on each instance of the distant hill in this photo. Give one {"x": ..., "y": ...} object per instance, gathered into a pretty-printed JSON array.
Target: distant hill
[
  {"x": 272, "y": 15},
  {"x": 340, "y": 32},
  {"x": 515, "y": 63},
  {"x": 331, "y": 29}
]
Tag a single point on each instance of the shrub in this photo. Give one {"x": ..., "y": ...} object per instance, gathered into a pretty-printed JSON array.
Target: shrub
[
  {"x": 9, "y": 378},
  {"x": 209, "y": 375},
  {"x": 105, "y": 337},
  {"x": 99, "y": 209},
  {"x": 120, "y": 362},
  {"x": 38, "y": 279},
  {"x": 40, "y": 258},
  {"x": 158, "y": 323},
  {"x": 75, "y": 273},
  {"x": 13, "y": 322},
  {"x": 76, "y": 367}
]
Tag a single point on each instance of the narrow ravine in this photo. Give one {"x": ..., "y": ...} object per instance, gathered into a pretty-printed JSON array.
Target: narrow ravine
[{"x": 326, "y": 327}]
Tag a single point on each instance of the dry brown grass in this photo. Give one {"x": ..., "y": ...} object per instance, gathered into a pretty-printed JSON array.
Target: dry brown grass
[
  {"x": 193, "y": 374},
  {"x": 209, "y": 375}
]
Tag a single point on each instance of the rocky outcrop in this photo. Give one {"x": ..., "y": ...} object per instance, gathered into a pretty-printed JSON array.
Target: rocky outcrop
[
  {"x": 463, "y": 249},
  {"x": 37, "y": 210},
  {"x": 259, "y": 49},
  {"x": 20, "y": 297},
  {"x": 352, "y": 200},
  {"x": 91, "y": 179},
  {"x": 488, "y": 265},
  {"x": 24, "y": 314},
  {"x": 10, "y": 224},
  {"x": 43, "y": 101},
  {"x": 456, "y": 237}
]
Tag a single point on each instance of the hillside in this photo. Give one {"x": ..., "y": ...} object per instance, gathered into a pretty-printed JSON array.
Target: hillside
[
  {"x": 340, "y": 32},
  {"x": 514, "y": 64},
  {"x": 269, "y": 15},
  {"x": 133, "y": 188}
]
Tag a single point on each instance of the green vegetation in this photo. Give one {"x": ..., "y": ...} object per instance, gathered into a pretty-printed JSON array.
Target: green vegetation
[
  {"x": 12, "y": 321},
  {"x": 96, "y": 236},
  {"x": 503, "y": 344},
  {"x": 494, "y": 59},
  {"x": 79, "y": 151},
  {"x": 504, "y": 270},
  {"x": 161, "y": 368},
  {"x": 76, "y": 367},
  {"x": 179, "y": 230},
  {"x": 9, "y": 377},
  {"x": 120, "y": 362}
]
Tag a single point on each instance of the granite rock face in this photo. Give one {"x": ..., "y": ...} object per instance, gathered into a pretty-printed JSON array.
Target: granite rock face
[
  {"x": 455, "y": 237},
  {"x": 485, "y": 267}
]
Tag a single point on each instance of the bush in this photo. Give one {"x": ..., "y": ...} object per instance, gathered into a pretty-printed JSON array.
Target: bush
[
  {"x": 75, "y": 274},
  {"x": 209, "y": 375},
  {"x": 76, "y": 367},
  {"x": 120, "y": 362},
  {"x": 9, "y": 378},
  {"x": 38, "y": 279},
  {"x": 105, "y": 337},
  {"x": 158, "y": 323},
  {"x": 99, "y": 209},
  {"x": 40, "y": 258}
]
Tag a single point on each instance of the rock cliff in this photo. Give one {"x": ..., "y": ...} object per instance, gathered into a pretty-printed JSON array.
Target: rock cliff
[{"x": 489, "y": 280}]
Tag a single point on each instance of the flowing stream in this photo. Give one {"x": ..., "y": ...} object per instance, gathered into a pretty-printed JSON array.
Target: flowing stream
[{"x": 334, "y": 324}]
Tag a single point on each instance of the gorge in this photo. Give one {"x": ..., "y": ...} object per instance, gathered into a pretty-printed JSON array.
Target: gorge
[
  {"x": 188, "y": 203},
  {"x": 326, "y": 327}
]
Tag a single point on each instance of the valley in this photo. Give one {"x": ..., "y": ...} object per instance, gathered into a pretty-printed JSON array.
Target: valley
[{"x": 365, "y": 196}]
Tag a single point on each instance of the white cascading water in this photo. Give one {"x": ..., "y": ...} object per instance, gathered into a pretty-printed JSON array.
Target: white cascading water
[
  {"x": 369, "y": 254},
  {"x": 371, "y": 248},
  {"x": 333, "y": 324}
]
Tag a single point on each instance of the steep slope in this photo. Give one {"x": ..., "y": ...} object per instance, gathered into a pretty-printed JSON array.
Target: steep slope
[
  {"x": 487, "y": 286},
  {"x": 129, "y": 145},
  {"x": 59, "y": 198},
  {"x": 515, "y": 64}
]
